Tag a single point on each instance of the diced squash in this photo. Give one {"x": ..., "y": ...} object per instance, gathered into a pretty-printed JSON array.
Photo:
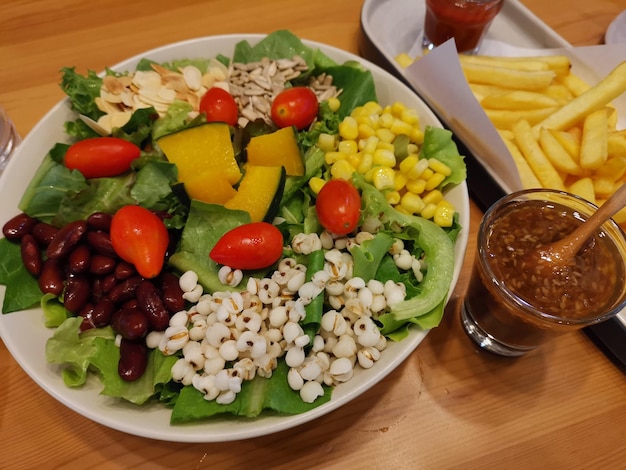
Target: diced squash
[
  {"x": 210, "y": 187},
  {"x": 280, "y": 148},
  {"x": 259, "y": 192},
  {"x": 200, "y": 150}
]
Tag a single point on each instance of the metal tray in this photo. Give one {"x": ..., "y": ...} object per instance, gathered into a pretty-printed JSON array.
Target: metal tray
[{"x": 391, "y": 27}]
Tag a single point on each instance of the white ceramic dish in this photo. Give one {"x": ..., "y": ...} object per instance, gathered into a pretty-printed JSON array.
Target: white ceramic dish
[
  {"x": 24, "y": 333},
  {"x": 616, "y": 32}
]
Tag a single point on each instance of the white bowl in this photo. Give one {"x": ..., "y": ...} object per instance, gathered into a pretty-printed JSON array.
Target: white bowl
[{"x": 25, "y": 335}]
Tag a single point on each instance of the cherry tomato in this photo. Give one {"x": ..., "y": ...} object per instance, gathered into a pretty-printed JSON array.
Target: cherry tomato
[
  {"x": 297, "y": 106},
  {"x": 338, "y": 206},
  {"x": 256, "y": 245},
  {"x": 140, "y": 237},
  {"x": 219, "y": 106},
  {"x": 99, "y": 157}
]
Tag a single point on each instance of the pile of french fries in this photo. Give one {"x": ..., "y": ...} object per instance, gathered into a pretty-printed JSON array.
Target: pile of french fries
[{"x": 561, "y": 132}]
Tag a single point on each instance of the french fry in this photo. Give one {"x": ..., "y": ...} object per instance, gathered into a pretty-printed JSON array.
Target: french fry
[
  {"x": 556, "y": 153},
  {"x": 519, "y": 100},
  {"x": 616, "y": 144},
  {"x": 537, "y": 160},
  {"x": 614, "y": 168},
  {"x": 583, "y": 187},
  {"x": 576, "y": 85},
  {"x": 569, "y": 141},
  {"x": 594, "y": 144},
  {"x": 506, "y": 119},
  {"x": 596, "y": 97},
  {"x": 526, "y": 174},
  {"x": 603, "y": 186},
  {"x": 509, "y": 78},
  {"x": 560, "y": 64}
]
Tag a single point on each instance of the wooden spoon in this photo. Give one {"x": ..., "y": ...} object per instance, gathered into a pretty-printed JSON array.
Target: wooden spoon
[{"x": 562, "y": 251}]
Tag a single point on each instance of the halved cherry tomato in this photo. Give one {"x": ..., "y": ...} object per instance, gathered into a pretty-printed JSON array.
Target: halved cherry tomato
[
  {"x": 297, "y": 106},
  {"x": 256, "y": 245},
  {"x": 140, "y": 237},
  {"x": 338, "y": 206},
  {"x": 99, "y": 157},
  {"x": 219, "y": 106}
]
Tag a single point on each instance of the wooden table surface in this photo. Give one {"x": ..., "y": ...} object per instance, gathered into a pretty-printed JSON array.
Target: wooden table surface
[{"x": 447, "y": 406}]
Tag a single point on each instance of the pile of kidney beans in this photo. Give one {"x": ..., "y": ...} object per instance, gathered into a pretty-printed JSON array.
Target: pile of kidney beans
[{"x": 77, "y": 262}]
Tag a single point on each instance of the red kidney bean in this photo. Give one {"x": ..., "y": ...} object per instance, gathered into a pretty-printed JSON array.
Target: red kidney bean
[
  {"x": 79, "y": 259},
  {"x": 66, "y": 239},
  {"x": 87, "y": 314},
  {"x": 31, "y": 254},
  {"x": 151, "y": 303},
  {"x": 133, "y": 360},
  {"x": 76, "y": 293},
  {"x": 172, "y": 293},
  {"x": 124, "y": 270},
  {"x": 100, "y": 221},
  {"x": 44, "y": 233},
  {"x": 101, "y": 265},
  {"x": 131, "y": 323},
  {"x": 51, "y": 277},
  {"x": 108, "y": 283},
  {"x": 15, "y": 228},
  {"x": 102, "y": 312},
  {"x": 131, "y": 303},
  {"x": 125, "y": 290},
  {"x": 101, "y": 243}
]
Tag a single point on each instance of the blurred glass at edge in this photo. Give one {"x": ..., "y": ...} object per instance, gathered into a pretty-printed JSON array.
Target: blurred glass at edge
[{"x": 9, "y": 138}]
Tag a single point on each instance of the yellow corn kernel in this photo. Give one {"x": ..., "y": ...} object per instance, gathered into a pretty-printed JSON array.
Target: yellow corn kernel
[
  {"x": 400, "y": 127},
  {"x": 327, "y": 142},
  {"x": 383, "y": 177},
  {"x": 433, "y": 197},
  {"x": 402, "y": 210},
  {"x": 415, "y": 168},
  {"x": 348, "y": 146},
  {"x": 444, "y": 214},
  {"x": 354, "y": 159},
  {"x": 412, "y": 149},
  {"x": 334, "y": 104},
  {"x": 393, "y": 197},
  {"x": 373, "y": 107},
  {"x": 410, "y": 116},
  {"x": 408, "y": 163},
  {"x": 365, "y": 119},
  {"x": 404, "y": 60},
  {"x": 385, "y": 146},
  {"x": 401, "y": 181},
  {"x": 417, "y": 186},
  {"x": 342, "y": 169},
  {"x": 417, "y": 136},
  {"x": 348, "y": 128},
  {"x": 316, "y": 184},
  {"x": 358, "y": 112},
  {"x": 384, "y": 157},
  {"x": 366, "y": 163},
  {"x": 412, "y": 203},
  {"x": 368, "y": 144},
  {"x": 386, "y": 120},
  {"x": 333, "y": 156},
  {"x": 434, "y": 181},
  {"x": 397, "y": 108},
  {"x": 428, "y": 212},
  {"x": 386, "y": 135},
  {"x": 365, "y": 131},
  {"x": 439, "y": 167},
  {"x": 427, "y": 173}
]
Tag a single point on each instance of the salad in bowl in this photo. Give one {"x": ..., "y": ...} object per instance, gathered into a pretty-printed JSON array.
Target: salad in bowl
[{"x": 241, "y": 226}]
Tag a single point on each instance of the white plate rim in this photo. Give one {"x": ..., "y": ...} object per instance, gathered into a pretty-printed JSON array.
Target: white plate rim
[
  {"x": 152, "y": 421},
  {"x": 616, "y": 32}
]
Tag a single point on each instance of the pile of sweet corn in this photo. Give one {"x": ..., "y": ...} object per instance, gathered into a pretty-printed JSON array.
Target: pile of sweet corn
[{"x": 366, "y": 145}]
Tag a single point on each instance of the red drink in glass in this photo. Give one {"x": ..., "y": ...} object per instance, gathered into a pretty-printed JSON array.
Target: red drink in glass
[{"x": 464, "y": 20}]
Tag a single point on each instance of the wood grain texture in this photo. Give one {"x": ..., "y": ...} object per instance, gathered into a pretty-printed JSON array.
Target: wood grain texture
[{"x": 447, "y": 406}]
